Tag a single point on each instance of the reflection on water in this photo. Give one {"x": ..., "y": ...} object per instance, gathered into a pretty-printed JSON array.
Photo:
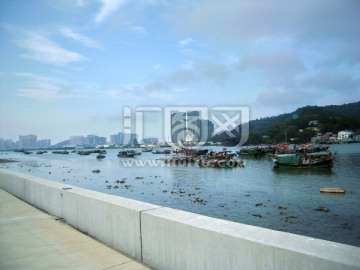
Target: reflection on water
[
  {"x": 304, "y": 171},
  {"x": 250, "y": 195}
]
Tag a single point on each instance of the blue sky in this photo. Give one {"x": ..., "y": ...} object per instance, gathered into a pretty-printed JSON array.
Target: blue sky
[{"x": 68, "y": 67}]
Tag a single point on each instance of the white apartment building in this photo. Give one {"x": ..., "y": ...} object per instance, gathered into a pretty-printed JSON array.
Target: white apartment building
[
  {"x": 344, "y": 135},
  {"x": 28, "y": 141}
]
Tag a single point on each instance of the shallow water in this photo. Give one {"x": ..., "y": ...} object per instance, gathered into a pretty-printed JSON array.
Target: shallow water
[{"x": 250, "y": 195}]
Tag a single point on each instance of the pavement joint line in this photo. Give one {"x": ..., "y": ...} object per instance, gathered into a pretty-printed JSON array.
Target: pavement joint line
[
  {"x": 110, "y": 267},
  {"x": 24, "y": 221}
]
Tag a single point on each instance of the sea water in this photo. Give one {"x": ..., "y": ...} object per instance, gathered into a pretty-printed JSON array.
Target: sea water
[{"x": 284, "y": 200}]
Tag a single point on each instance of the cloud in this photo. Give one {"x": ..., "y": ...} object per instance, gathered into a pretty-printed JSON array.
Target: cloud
[
  {"x": 157, "y": 91},
  {"x": 86, "y": 41},
  {"x": 181, "y": 77},
  {"x": 332, "y": 80},
  {"x": 81, "y": 3},
  {"x": 44, "y": 88},
  {"x": 139, "y": 31},
  {"x": 108, "y": 8},
  {"x": 322, "y": 87},
  {"x": 280, "y": 68},
  {"x": 238, "y": 20},
  {"x": 212, "y": 70},
  {"x": 42, "y": 49},
  {"x": 185, "y": 42},
  {"x": 188, "y": 65},
  {"x": 127, "y": 92}
]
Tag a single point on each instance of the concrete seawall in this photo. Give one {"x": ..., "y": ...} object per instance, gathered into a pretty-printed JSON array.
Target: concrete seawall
[{"x": 166, "y": 238}]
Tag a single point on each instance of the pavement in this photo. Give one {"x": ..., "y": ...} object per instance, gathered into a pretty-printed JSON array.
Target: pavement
[{"x": 32, "y": 239}]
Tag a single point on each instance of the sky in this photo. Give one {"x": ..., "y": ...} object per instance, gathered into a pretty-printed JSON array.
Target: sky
[{"x": 70, "y": 67}]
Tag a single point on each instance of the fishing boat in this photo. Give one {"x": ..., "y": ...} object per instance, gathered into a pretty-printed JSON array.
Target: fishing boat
[
  {"x": 146, "y": 149},
  {"x": 100, "y": 156},
  {"x": 321, "y": 159},
  {"x": 222, "y": 159},
  {"x": 126, "y": 154},
  {"x": 252, "y": 152},
  {"x": 221, "y": 163},
  {"x": 165, "y": 152}
]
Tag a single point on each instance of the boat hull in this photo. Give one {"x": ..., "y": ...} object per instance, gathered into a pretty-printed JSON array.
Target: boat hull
[{"x": 326, "y": 163}]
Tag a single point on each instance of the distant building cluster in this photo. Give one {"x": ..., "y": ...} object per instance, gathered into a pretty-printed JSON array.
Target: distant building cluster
[
  {"x": 89, "y": 140},
  {"x": 25, "y": 142},
  {"x": 343, "y": 136},
  {"x": 123, "y": 139}
]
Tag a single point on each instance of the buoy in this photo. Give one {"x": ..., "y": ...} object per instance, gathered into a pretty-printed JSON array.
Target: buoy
[{"x": 332, "y": 190}]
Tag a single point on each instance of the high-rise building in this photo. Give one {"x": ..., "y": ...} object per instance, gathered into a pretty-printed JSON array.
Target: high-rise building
[
  {"x": 6, "y": 144},
  {"x": 77, "y": 140},
  {"x": 150, "y": 140},
  {"x": 123, "y": 139},
  {"x": 44, "y": 143},
  {"x": 28, "y": 141},
  {"x": 115, "y": 139},
  {"x": 93, "y": 140}
]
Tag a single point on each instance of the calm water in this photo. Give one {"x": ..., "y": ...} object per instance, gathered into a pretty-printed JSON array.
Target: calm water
[{"x": 250, "y": 195}]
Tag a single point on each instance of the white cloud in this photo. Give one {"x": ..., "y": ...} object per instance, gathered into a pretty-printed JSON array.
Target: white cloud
[
  {"x": 239, "y": 21},
  {"x": 157, "y": 91},
  {"x": 188, "y": 65},
  {"x": 42, "y": 49},
  {"x": 44, "y": 88},
  {"x": 108, "y": 8},
  {"x": 127, "y": 93},
  {"x": 86, "y": 41},
  {"x": 139, "y": 30},
  {"x": 279, "y": 68},
  {"x": 81, "y": 3},
  {"x": 185, "y": 42}
]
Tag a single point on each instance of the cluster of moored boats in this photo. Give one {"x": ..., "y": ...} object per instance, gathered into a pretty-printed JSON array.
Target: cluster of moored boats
[
  {"x": 300, "y": 156},
  {"x": 206, "y": 158}
]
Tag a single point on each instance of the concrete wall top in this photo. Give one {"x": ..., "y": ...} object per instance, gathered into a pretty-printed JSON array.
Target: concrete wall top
[
  {"x": 172, "y": 220},
  {"x": 121, "y": 201}
]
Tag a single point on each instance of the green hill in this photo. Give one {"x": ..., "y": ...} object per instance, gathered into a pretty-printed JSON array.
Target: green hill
[{"x": 300, "y": 125}]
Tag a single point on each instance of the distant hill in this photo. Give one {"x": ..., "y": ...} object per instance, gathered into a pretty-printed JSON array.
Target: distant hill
[
  {"x": 295, "y": 125},
  {"x": 62, "y": 144}
]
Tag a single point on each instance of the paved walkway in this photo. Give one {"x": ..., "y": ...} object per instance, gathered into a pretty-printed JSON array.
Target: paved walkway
[{"x": 32, "y": 239}]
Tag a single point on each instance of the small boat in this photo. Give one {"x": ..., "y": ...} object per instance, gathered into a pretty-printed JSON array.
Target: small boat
[
  {"x": 332, "y": 190},
  {"x": 126, "y": 154},
  {"x": 165, "y": 152},
  {"x": 220, "y": 162},
  {"x": 61, "y": 152},
  {"x": 252, "y": 152},
  {"x": 100, "y": 156},
  {"x": 146, "y": 149}
]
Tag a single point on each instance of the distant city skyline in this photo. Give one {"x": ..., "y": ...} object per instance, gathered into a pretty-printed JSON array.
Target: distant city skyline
[
  {"x": 32, "y": 141},
  {"x": 71, "y": 67}
]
